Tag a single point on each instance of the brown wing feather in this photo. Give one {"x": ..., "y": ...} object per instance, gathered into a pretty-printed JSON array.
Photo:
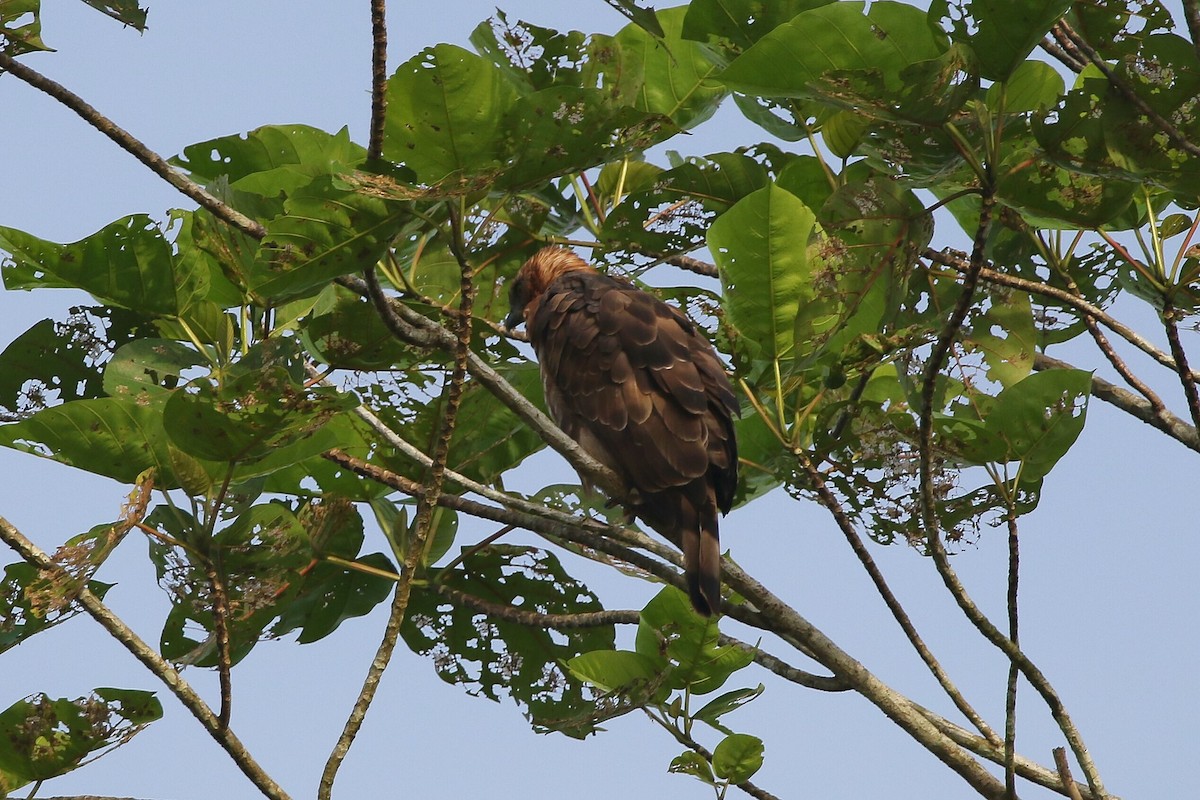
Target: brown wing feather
[{"x": 636, "y": 384}]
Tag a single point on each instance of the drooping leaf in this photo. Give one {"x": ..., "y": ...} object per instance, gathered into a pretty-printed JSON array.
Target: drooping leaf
[
  {"x": 888, "y": 60},
  {"x": 738, "y": 757},
  {"x": 127, "y": 263},
  {"x": 761, "y": 249},
  {"x": 669, "y": 75},
  {"x": 47, "y": 737},
  {"x": 669, "y": 625},
  {"x": 127, "y": 12},
  {"x": 21, "y": 26},
  {"x": 738, "y": 24}
]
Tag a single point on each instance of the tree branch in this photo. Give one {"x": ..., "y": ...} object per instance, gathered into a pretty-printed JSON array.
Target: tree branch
[
  {"x": 691, "y": 744},
  {"x": 149, "y": 657},
  {"x": 929, "y": 518},
  {"x": 427, "y": 500},
  {"x": 1131, "y": 404},
  {"x": 129, "y": 144},
  {"x": 378, "y": 77},
  {"x": 1125, "y": 90},
  {"x": 827, "y": 498},
  {"x": 1170, "y": 316},
  {"x": 956, "y": 261}
]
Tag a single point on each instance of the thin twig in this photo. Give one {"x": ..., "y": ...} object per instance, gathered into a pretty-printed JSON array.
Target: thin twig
[
  {"x": 220, "y": 612},
  {"x": 1010, "y": 692},
  {"x": 1170, "y": 317},
  {"x": 149, "y": 657},
  {"x": 156, "y": 163},
  {"x": 427, "y": 501},
  {"x": 378, "y": 77},
  {"x": 691, "y": 744},
  {"x": 1064, "y": 773},
  {"x": 956, "y": 261},
  {"x": 933, "y": 539},
  {"x": 827, "y": 499}
]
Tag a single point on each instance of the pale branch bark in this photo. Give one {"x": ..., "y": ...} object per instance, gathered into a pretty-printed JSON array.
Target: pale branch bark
[
  {"x": 1027, "y": 769},
  {"x": 1123, "y": 88},
  {"x": 784, "y": 620},
  {"x": 936, "y": 547},
  {"x": 378, "y": 77},
  {"x": 1131, "y": 404},
  {"x": 958, "y": 262},
  {"x": 1170, "y": 317},
  {"x": 126, "y": 141},
  {"x": 1064, "y": 773},
  {"x": 150, "y": 658},
  {"x": 573, "y": 532},
  {"x": 846, "y": 526}
]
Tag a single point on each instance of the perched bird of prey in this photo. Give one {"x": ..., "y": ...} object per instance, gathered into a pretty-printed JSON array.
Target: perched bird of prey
[{"x": 644, "y": 393}]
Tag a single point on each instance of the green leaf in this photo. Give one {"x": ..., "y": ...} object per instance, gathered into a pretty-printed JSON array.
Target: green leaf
[
  {"x": 333, "y": 226},
  {"x": 761, "y": 249},
  {"x": 45, "y": 738},
  {"x": 1006, "y": 336},
  {"x": 644, "y": 18},
  {"x": 1040, "y": 418},
  {"x": 127, "y": 263},
  {"x": 150, "y": 366},
  {"x": 21, "y": 26},
  {"x": 1002, "y": 33},
  {"x": 698, "y": 663},
  {"x": 1032, "y": 86},
  {"x": 614, "y": 670},
  {"x": 689, "y": 762},
  {"x": 445, "y": 109},
  {"x": 738, "y": 24},
  {"x": 493, "y": 656},
  {"x": 669, "y": 75},
  {"x": 114, "y": 437},
  {"x": 738, "y": 757},
  {"x": 251, "y": 409},
  {"x": 719, "y": 706},
  {"x": 567, "y": 129},
  {"x": 889, "y": 60},
  {"x": 273, "y": 159},
  {"x": 127, "y": 12}
]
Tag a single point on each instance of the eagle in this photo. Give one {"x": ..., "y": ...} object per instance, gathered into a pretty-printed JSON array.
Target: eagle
[{"x": 642, "y": 391}]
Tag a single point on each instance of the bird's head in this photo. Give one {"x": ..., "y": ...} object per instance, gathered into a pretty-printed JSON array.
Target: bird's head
[{"x": 534, "y": 276}]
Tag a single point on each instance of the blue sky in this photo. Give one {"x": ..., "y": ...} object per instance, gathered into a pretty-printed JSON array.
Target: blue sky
[{"x": 1108, "y": 588}]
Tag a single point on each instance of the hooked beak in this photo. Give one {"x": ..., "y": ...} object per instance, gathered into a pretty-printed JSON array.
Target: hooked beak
[{"x": 513, "y": 319}]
